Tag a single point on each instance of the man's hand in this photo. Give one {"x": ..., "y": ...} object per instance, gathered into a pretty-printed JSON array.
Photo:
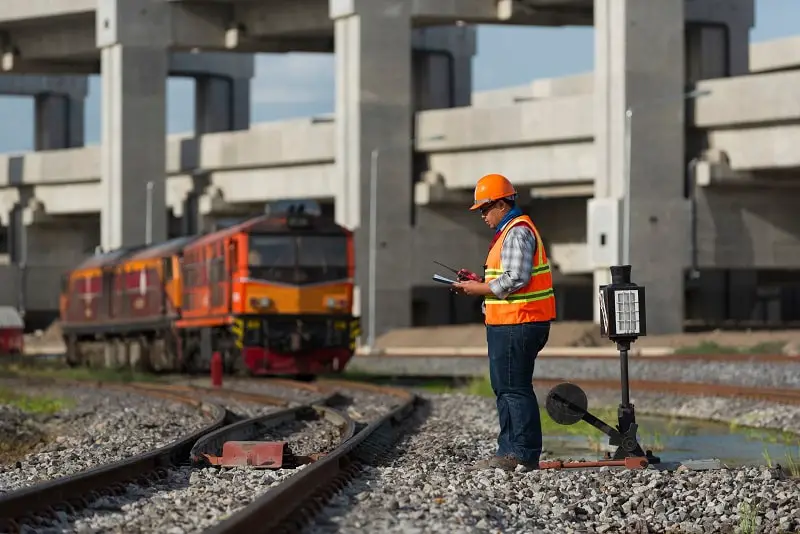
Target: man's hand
[
  {"x": 464, "y": 274},
  {"x": 472, "y": 288}
]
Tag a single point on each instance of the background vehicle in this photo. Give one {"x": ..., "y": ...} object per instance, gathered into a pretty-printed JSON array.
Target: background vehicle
[{"x": 272, "y": 294}]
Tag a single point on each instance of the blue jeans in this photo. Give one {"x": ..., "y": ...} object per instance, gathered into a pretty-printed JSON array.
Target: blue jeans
[{"x": 512, "y": 355}]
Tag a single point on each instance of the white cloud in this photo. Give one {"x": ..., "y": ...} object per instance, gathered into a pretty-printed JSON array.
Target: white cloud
[{"x": 295, "y": 78}]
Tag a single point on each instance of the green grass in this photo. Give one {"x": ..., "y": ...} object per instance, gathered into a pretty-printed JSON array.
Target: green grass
[
  {"x": 747, "y": 518},
  {"x": 57, "y": 371},
  {"x": 39, "y": 404},
  {"x": 792, "y": 466},
  {"x": 712, "y": 347}
]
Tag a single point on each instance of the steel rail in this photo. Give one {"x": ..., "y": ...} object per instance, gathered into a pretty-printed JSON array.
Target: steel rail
[
  {"x": 74, "y": 492},
  {"x": 258, "y": 398},
  {"x": 704, "y": 389},
  {"x": 291, "y": 505},
  {"x": 669, "y": 358},
  {"x": 251, "y": 429}
]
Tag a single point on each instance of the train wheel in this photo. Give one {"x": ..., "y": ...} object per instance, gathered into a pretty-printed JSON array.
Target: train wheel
[
  {"x": 304, "y": 378},
  {"x": 72, "y": 355}
]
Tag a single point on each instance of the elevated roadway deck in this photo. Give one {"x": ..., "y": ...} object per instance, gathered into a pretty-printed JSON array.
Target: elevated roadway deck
[{"x": 545, "y": 143}]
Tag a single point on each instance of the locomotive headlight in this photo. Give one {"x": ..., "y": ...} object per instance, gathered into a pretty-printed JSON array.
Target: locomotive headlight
[
  {"x": 334, "y": 303},
  {"x": 263, "y": 302}
]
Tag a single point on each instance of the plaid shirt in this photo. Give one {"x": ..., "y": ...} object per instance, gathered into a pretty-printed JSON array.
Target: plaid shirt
[{"x": 516, "y": 257}]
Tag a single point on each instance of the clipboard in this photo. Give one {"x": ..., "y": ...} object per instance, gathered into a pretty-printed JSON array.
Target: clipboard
[{"x": 443, "y": 280}]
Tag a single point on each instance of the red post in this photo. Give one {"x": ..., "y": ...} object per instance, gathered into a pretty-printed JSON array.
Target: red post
[{"x": 216, "y": 370}]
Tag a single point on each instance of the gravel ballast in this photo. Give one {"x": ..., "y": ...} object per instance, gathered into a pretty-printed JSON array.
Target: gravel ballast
[
  {"x": 427, "y": 488},
  {"x": 101, "y": 426},
  {"x": 745, "y": 373},
  {"x": 192, "y": 499}
]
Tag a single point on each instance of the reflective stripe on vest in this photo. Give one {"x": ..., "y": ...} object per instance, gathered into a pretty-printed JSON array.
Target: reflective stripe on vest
[{"x": 533, "y": 302}]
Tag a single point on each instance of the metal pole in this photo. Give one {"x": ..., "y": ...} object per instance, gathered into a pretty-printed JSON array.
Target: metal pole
[
  {"x": 23, "y": 265},
  {"x": 148, "y": 229},
  {"x": 373, "y": 244},
  {"x": 626, "y": 222}
]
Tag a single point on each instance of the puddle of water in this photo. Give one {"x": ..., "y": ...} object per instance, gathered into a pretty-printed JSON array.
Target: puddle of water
[{"x": 680, "y": 439}]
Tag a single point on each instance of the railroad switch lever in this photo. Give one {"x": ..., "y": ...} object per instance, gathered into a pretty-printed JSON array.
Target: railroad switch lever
[{"x": 622, "y": 320}]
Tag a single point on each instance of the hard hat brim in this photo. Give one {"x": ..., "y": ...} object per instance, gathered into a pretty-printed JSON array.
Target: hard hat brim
[{"x": 480, "y": 203}]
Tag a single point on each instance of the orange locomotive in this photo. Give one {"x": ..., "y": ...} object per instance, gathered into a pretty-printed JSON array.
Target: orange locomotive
[{"x": 273, "y": 295}]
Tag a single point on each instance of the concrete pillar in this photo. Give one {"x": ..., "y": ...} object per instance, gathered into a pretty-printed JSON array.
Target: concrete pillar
[
  {"x": 374, "y": 111},
  {"x": 639, "y": 63},
  {"x": 59, "y": 121},
  {"x": 221, "y": 104},
  {"x": 442, "y": 62},
  {"x": 718, "y": 38},
  {"x": 133, "y": 37}
]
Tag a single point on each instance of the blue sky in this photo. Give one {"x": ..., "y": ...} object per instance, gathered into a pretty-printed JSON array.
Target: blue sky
[{"x": 296, "y": 85}]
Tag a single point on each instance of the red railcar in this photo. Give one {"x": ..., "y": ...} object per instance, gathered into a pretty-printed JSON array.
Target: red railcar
[{"x": 12, "y": 331}]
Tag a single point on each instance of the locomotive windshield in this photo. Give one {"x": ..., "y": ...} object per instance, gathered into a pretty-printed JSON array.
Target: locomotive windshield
[{"x": 293, "y": 259}]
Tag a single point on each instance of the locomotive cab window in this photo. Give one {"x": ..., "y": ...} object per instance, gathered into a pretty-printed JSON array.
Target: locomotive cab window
[
  {"x": 323, "y": 257},
  {"x": 272, "y": 257}
]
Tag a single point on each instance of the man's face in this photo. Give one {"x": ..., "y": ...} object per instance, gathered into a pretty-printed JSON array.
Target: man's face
[{"x": 492, "y": 213}]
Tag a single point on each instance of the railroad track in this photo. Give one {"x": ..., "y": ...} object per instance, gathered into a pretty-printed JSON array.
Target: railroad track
[
  {"x": 780, "y": 395},
  {"x": 48, "y": 500},
  {"x": 312, "y": 475},
  {"x": 591, "y": 353}
]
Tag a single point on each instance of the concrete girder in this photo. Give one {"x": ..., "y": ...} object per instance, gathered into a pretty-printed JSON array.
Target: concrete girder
[
  {"x": 19, "y": 11},
  {"x": 35, "y": 213},
  {"x": 433, "y": 190},
  {"x": 69, "y": 86},
  {"x": 232, "y": 65},
  {"x": 521, "y": 12},
  {"x": 9, "y": 198},
  {"x": 212, "y": 202},
  {"x": 52, "y": 41},
  {"x": 284, "y": 17}
]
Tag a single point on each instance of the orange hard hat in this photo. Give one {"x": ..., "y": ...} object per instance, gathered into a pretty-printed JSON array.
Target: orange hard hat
[{"x": 490, "y": 188}]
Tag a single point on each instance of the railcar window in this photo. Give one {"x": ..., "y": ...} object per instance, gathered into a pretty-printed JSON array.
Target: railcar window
[
  {"x": 298, "y": 259},
  {"x": 319, "y": 251},
  {"x": 272, "y": 257}
]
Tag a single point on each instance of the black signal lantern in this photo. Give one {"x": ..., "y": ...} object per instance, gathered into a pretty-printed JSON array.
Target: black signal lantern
[
  {"x": 622, "y": 308},
  {"x": 623, "y": 321}
]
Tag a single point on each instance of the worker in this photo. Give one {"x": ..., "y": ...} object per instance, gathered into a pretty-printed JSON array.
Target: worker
[{"x": 518, "y": 306}]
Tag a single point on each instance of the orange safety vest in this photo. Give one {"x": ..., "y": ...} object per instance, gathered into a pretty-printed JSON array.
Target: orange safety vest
[{"x": 533, "y": 302}]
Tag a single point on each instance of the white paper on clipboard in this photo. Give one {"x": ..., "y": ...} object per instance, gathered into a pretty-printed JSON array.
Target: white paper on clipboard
[{"x": 442, "y": 279}]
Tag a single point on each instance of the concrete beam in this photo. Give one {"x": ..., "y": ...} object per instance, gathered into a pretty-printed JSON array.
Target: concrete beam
[
  {"x": 757, "y": 100},
  {"x": 53, "y": 41},
  {"x": 549, "y": 121},
  {"x": 11, "y": 64},
  {"x": 34, "y": 10},
  {"x": 220, "y": 64},
  {"x": 775, "y": 55},
  {"x": 71, "y": 86},
  {"x": 433, "y": 190},
  {"x": 283, "y": 17}
]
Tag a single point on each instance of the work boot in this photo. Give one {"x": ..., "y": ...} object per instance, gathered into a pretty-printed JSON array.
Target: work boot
[{"x": 506, "y": 463}]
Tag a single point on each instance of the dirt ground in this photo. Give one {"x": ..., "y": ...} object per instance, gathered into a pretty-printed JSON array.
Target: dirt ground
[{"x": 586, "y": 334}]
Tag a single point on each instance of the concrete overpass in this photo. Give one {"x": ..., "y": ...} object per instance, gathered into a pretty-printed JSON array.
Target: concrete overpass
[
  {"x": 546, "y": 144},
  {"x": 560, "y": 138}
]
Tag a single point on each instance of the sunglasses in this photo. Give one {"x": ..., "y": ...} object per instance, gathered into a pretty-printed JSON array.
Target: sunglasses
[{"x": 487, "y": 208}]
